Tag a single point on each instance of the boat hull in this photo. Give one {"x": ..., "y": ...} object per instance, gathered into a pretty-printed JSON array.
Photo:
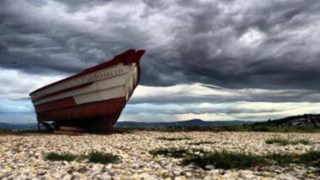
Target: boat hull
[{"x": 92, "y": 100}]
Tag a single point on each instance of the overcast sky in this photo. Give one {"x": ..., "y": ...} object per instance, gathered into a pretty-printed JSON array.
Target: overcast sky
[{"x": 207, "y": 59}]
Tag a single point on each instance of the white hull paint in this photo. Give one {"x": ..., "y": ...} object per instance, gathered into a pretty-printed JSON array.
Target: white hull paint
[{"x": 112, "y": 82}]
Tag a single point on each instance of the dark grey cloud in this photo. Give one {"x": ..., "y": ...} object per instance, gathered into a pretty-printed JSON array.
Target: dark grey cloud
[
  {"x": 206, "y": 47},
  {"x": 186, "y": 94},
  {"x": 233, "y": 44},
  {"x": 46, "y": 44}
]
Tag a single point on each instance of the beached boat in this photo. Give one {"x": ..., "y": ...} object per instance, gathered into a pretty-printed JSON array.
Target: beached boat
[{"x": 91, "y": 100}]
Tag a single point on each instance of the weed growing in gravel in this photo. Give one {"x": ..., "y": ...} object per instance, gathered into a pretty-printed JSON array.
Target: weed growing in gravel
[
  {"x": 6, "y": 132},
  {"x": 52, "y": 156},
  {"x": 174, "y": 139},
  {"x": 229, "y": 160},
  {"x": 239, "y": 160},
  {"x": 102, "y": 158},
  {"x": 176, "y": 152},
  {"x": 311, "y": 158},
  {"x": 171, "y": 152},
  {"x": 225, "y": 160},
  {"x": 303, "y": 141},
  {"x": 281, "y": 159},
  {"x": 201, "y": 142},
  {"x": 94, "y": 157},
  {"x": 285, "y": 142}
]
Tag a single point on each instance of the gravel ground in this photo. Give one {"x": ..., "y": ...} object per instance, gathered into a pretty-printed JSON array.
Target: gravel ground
[{"x": 22, "y": 157}]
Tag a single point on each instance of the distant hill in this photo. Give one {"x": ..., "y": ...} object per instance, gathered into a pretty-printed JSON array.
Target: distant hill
[
  {"x": 306, "y": 120},
  {"x": 187, "y": 123},
  {"x": 17, "y": 126}
]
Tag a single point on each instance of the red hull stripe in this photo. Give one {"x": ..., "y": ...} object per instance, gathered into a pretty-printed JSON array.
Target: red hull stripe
[
  {"x": 58, "y": 104},
  {"x": 63, "y": 91},
  {"x": 121, "y": 58},
  {"x": 107, "y": 111}
]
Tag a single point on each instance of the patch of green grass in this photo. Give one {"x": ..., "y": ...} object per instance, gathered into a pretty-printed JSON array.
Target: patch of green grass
[
  {"x": 278, "y": 141},
  {"x": 94, "y": 157},
  {"x": 224, "y": 160},
  {"x": 281, "y": 159},
  {"x": 198, "y": 150},
  {"x": 176, "y": 152},
  {"x": 232, "y": 160},
  {"x": 311, "y": 158},
  {"x": 237, "y": 160},
  {"x": 285, "y": 142},
  {"x": 201, "y": 142},
  {"x": 102, "y": 158},
  {"x": 53, "y": 156},
  {"x": 6, "y": 132},
  {"x": 171, "y": 152},
  {"x": 174, "y": 138},
  {"x": 303, "y": 141}
]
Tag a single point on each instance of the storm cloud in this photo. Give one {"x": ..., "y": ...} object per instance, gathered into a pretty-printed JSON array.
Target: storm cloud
[
  {"x": 236, "y": 44},
  {"x": 254, "y": 51}
]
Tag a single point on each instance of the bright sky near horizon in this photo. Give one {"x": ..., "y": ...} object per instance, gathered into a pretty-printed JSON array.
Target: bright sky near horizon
[{"x": 212, "y": 60}]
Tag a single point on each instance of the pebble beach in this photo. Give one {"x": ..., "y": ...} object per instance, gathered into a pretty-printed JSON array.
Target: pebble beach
[{"x": 23, "y": 156}]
